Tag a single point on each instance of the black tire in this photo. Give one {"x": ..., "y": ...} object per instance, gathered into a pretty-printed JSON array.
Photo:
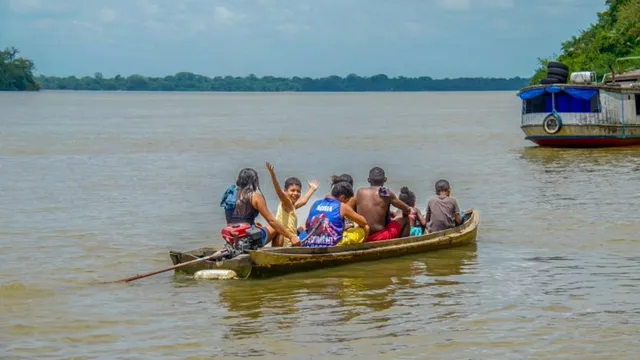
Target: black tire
[
  {"x": 557, "y": 65},
  {"x": 551, "y": 124},
  {"x": 548, "y": 81},
  {"x": 559, "y": 79},
  {"x": 558, "y": 72}
]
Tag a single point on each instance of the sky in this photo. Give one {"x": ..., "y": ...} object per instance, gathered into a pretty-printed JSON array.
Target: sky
[{"x": 437, "y": 38}]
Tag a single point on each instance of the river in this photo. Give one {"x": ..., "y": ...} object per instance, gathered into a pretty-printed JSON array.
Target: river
[{"x": 98, "y": 186}]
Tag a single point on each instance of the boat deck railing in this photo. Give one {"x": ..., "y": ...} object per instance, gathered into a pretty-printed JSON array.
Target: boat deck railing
[{"x": 619, "y": 60}]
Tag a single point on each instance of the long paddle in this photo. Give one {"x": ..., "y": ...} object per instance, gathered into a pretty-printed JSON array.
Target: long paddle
[{"x": 216, "y": 254}]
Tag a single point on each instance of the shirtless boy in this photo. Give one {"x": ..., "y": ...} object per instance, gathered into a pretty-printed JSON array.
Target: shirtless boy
[{"x": 373, "y": 203}]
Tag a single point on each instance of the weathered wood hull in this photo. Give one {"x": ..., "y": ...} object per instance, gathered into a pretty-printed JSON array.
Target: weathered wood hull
[
  {"x": 584, "y": 136},
  {"x": 241, "y": 265},
  {"x": 270, "y": 262}
]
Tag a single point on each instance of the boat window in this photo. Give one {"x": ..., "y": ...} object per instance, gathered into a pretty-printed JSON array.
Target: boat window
[
  {"x": 540, "y": 104},
  {"x": 638, "y": 104},
  {"x": 565, "y": 102}
]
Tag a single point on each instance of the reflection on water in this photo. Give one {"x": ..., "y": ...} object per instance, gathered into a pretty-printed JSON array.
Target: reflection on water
[
  {"x": 348, "y": 293},
  {"x": 586, "y": 160},
  {"x": 590, "y": 193}
]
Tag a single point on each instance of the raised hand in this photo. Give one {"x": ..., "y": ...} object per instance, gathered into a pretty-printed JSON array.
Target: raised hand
[
  {"x": 270, "y": 167},
  {"x": 313, "y": 184}
]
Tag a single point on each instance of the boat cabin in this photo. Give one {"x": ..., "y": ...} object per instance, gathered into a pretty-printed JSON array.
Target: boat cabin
[{"x": 582, "y": 112}]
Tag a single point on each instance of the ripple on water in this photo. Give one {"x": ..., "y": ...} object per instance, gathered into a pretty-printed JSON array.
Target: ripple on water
[
  {"x": 105, "y": 195},
  {"x": 17, "y": 291}
]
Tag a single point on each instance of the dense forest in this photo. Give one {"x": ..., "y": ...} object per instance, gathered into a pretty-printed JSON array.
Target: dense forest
[
  {"x": 616, "y": 34},
  {"x": 16, "y": 73},
  {"x": 186, "y": 81}
]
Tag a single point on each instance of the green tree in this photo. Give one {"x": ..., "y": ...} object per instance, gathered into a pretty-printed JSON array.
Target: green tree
[
  {"x": 16, "y": 73},
  {"x": 616, "y": 34}
]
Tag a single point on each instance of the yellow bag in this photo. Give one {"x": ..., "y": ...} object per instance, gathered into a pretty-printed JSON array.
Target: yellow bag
[{"x": 352, "y": 236}]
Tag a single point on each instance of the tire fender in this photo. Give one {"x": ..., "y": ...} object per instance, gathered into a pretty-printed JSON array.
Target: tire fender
[{"x": 552, "y": 123}]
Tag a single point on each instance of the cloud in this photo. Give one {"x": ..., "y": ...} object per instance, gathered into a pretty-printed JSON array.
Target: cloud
[
  {"x": 224, "y": 16},
  {"x": 37, "y": 6},
  {"x": 86, "y": 25},
  {"x": 45, "y": 23},
  {"x": 465, "y": 5},
  {"x": 456, "y": 5},
  {"x": 496, "y": 3},
  {"x": 415, "y": 28},
  {"x": 291, "y": 30},
  {"x": 148, "y": 7},
  {"x": 162, "y": 29},
  {"x": 22, "y": 6},
  {"x": 108, "y": 15},
  {"x": 556, "y": 8}
]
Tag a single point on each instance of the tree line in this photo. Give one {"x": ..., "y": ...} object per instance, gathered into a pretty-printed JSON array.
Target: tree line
[
  {"x": 186, "y": 81},
  {"x": 16, "y": 73},
  {"x": 616, "y": 34}
]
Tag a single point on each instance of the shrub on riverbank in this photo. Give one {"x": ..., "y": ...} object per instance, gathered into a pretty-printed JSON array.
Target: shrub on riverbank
[{"x": 16, "y": 73}]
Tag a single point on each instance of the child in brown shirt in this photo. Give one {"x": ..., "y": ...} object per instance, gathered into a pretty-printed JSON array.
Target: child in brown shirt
[{"x": 443, "y": 211}]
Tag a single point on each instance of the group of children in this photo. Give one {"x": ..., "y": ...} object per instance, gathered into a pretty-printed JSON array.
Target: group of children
[{"x": 339, "y": 219}]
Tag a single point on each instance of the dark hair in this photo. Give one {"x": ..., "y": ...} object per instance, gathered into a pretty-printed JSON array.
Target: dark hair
[
  {"x": 292, "y": 181},
  {"x": 247, "y": 182},
  {"x": 344, "y": 177},
  {"x": 342, "y": 188},
  {"x": 407, "y": 196},
  {"x": 376, "y": 176},
  {"x": 441, "y": 186}
]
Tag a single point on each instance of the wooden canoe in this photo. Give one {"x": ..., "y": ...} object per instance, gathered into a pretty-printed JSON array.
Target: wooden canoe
[{"x": 268, "y": 262}]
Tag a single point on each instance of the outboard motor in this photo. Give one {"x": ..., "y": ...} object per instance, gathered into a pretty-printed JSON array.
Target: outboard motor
[{"x": 241, "y": 238}]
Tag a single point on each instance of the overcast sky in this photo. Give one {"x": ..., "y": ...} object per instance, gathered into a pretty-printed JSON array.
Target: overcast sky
[{"x": 438, "y": 38}]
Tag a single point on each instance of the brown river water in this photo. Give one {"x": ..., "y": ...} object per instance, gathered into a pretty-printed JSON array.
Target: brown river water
[{"x": 100, "y": 186}]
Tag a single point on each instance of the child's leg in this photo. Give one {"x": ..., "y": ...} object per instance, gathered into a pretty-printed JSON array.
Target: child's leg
[
  {"x": 271, "y": 235},
  {"x": 278, "y": 241},
  {"x": 404, "y": 225}
]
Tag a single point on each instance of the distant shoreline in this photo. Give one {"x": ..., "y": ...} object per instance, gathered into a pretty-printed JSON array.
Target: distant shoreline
[
  {"x": 21, "y": 77},
  {"x": 189, "y": 82},
  {"x": 270, "y": 92}
]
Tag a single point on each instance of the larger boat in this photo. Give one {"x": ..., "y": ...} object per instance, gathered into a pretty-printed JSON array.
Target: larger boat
[
  {"x": 574, "y": 110},
  {"x": 269, "y": 262}
]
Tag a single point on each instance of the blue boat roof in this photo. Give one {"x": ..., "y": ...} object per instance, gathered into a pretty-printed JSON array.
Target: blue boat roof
[{"x": 577, "y": 92}]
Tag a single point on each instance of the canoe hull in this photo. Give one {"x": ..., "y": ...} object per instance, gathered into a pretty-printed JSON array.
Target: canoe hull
[
  {"x": 271, "y": 262},
  {"x": 266, "y": 264},
  {"x": 240, "y": 264}
]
